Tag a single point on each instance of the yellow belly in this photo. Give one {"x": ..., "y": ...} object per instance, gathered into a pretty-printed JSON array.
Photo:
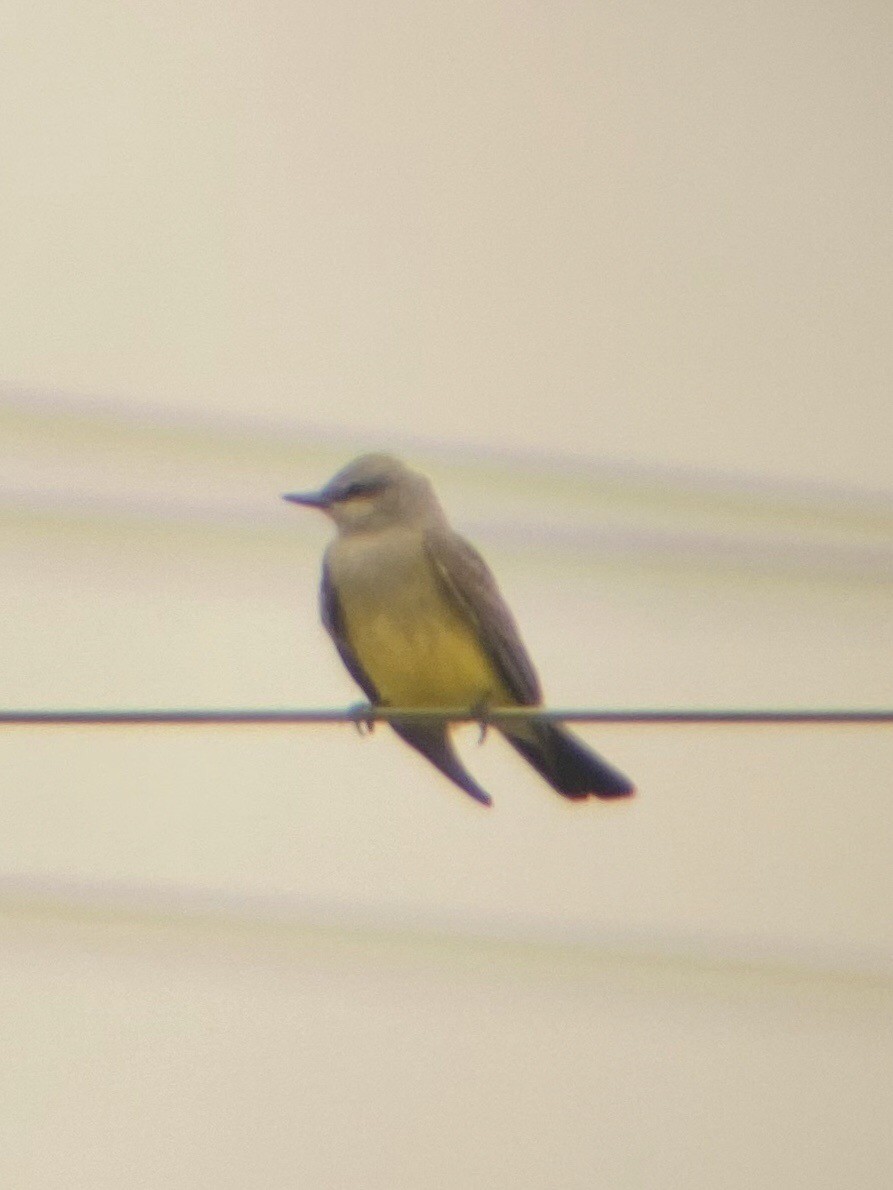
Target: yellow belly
[{"x": 434, "y": 662}]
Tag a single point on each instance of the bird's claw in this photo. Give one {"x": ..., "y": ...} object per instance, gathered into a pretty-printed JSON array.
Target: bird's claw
[{"x": 362, "y": 714}]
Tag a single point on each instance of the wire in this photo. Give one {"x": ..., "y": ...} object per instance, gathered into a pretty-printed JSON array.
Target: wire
[
  {"x": 228, "y": 915},
  {"x": 365, "y": 716}
]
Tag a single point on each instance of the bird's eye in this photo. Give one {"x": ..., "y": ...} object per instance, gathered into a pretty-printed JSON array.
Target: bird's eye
[
  {"x": 355, "y": 489},
  {"x": 360, "y": 488}
]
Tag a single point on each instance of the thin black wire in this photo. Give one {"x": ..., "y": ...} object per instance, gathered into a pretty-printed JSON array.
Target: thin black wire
[{"x": 362, "y": 716}]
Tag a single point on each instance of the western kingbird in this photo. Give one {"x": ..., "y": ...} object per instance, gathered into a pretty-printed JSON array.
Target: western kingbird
[{"x": 419, "y": 622}]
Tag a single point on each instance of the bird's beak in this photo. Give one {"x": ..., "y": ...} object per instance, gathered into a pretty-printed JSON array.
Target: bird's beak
[{"x": 308, "y": 499}]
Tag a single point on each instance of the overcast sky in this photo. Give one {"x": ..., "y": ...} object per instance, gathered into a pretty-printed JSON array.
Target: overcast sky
[{"x": 652, "y": 233}]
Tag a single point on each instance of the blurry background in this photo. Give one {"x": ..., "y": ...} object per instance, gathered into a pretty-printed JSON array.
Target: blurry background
[{"x": 618, "y": 280}]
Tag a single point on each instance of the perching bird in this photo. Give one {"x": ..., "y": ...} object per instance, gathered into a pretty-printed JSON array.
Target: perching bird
[{"x": 419, "y": 622}]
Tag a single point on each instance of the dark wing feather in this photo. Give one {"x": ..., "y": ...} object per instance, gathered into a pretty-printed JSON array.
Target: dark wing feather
[
  {"x": 467, "y": 582},
  {"x": 332, "y": 618}
]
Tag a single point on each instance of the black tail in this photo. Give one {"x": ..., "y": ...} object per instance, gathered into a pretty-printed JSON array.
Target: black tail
[
  {"x": 432, "y": 741},
  {"x": 571, "y": 768}
]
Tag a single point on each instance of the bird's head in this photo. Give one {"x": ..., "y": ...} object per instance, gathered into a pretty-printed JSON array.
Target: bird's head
[{"x": 375, "y": 491}]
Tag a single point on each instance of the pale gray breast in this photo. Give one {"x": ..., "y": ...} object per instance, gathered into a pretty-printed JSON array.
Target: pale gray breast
[{"x": 385, "y": 573}]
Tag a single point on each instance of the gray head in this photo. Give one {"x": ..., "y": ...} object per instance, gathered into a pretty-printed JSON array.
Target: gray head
[{"x": 374, "y": 492}]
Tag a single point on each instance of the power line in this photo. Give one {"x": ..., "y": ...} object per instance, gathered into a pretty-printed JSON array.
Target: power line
[
  {"x": 227, "y": 914},
  {"x": 364, "y": 716}
]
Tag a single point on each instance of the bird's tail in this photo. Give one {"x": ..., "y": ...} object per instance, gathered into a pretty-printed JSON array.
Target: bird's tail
[
  {"x": 432, "y": 740},
  {"x": 571, "y": 768}
]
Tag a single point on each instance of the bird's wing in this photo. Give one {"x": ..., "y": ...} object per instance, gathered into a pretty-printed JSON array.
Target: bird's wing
[
  {"x": 333, "y": 619},
  {"x": 467, "y": 582}
]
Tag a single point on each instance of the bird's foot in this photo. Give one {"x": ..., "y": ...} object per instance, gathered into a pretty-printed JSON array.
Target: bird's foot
[
  {"x": 481, "y": 713},
  {"x": 363, "y": 716}
]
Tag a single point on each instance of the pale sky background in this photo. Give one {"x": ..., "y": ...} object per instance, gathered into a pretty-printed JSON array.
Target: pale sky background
[
  {"x": 618, "y": 278},
  {"x": 641, "y": 232}
]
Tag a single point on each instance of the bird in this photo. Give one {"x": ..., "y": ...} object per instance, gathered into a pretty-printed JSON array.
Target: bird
[{"x": 418, "y": 620}]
